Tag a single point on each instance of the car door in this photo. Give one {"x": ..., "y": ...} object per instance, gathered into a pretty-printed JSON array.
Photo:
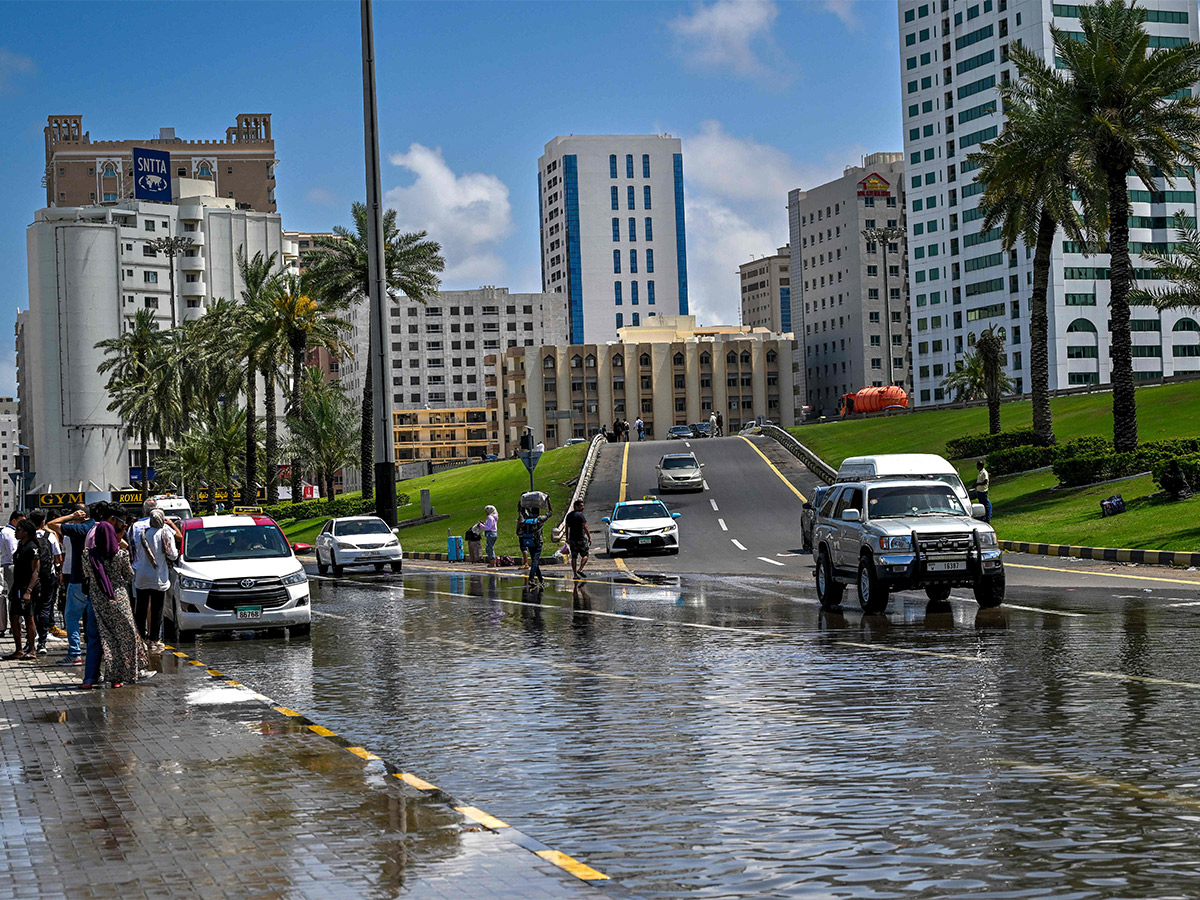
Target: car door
[
  {"x": 826, "y": 522},
  {"x": 324, "y": 540},
  {"x": 847, "y": 545}
]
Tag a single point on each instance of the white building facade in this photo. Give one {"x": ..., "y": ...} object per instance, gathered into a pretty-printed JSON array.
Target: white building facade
[
  {"x": 953, "y": 57},
  {"x": 613, "y": 237},
  {"x": 10, "y": 457}
]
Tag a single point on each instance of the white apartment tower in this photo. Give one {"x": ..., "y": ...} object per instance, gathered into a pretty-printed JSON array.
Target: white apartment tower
[
  {"x": 953, "y": 55},
  {"x": 612, "y": 229}
]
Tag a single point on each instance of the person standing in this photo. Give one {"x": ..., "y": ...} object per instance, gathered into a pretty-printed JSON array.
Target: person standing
[
  {"x": 579, "y": 538},
  {"x": 23, "y": 597},
  {"x": 74, "y": 529},
  {"x": 625, "y": 430},
  {"x": 982, "y": 484},
  {"x": 135, "y": 530},
  {"x": 641, "y": 428},
  {"x": 50, "y": 556},
  {"x": 154, "y": 549},
  {"x": 8, "y": 546},
  {"x": 712, "y": 424},
  {"x": 108, "y": 574},
  {"x": 720, "y": 424},
  {"x": 490, "y": 526},
  {"x": 529, "y": 533}
]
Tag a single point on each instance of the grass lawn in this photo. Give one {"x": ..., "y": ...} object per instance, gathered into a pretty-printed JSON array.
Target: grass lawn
[
  {"x": 464, "y": 492},
  {"x": 1025, "y": 508}
]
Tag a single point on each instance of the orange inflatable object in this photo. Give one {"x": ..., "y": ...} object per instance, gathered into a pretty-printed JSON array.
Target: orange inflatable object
[{"x": 874, "y": 399}]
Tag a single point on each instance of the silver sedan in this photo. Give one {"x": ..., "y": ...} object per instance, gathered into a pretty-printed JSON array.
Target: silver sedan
[{"x": 680, "y": 472}]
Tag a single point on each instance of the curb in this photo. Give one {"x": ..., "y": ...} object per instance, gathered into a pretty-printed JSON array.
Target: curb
[
  {"x": 1175, "y": 558},
  {"x": 442, "y": 557}
]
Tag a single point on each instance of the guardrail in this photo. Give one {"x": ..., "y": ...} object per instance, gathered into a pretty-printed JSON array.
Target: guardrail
[
  {"x": 581, "y": 486},
  {"x": 815, "y": 464}
]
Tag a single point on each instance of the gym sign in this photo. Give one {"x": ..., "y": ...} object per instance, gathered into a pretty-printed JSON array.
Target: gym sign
[{"x": 874, "y": 186}]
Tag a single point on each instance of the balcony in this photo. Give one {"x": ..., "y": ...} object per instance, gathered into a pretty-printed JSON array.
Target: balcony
[
  {"x": 191, "y": 263},
  {"x": 193, "y": 288}
]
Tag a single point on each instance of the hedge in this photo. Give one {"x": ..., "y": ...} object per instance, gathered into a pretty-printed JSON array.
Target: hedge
[
  {"x": 339, "y": 506},
  {"x": 1090, "y": 467},
  {"x": 1023, "y": 459},
  {"x": 1178, "y": 475},
  {"x": 983, "y": 443}
]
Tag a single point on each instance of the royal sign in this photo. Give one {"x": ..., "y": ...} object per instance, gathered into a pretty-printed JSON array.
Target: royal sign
[
  {"x": 874, "y": 186},
  {"x": 151, "y": 175}
]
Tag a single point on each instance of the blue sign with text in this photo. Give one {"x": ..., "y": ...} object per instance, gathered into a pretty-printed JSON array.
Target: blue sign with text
[{"x": 151, "y": 175}]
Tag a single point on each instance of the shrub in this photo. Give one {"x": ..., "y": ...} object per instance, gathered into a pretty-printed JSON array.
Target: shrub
[
  {"x": 1022, "y": 459},
  {"x": 1178, "y": 475},
  {"x": 1094, "y": 465},
  {"x": 339, "y": 506},
  {"x": 983, "y": 443}
]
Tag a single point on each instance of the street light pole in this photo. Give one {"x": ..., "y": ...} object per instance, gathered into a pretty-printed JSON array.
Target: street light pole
[
  {"x": 172, "y": 246},
  {"x": 385, "y": 450},
  {"x": 886, "y": 235}
]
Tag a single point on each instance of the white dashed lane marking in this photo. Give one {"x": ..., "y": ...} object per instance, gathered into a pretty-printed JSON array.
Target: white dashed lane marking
[
  {"x": 738, "y": 544},
  {"x": 714, "y": 504},
  {"x": 721, "y": 522},
  {"x": 705, "y": 483},
  {"x": 773, "y": 562}
]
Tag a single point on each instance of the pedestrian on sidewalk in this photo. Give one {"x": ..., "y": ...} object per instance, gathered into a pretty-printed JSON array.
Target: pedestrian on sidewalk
[
  {"x": 154, "y": 549},
  {"x": 23, "y": 596},
  {"x": 490, "y": 526},
  {"x": 132, "y": 538},
  {"x": 579, "y": 538},
  {"x": 530, "y": 519},
  {"x": 712, "y": 424},
  {"x": 641, "y": 428},
  {"x": 8, "y": 546},
  {"x": 625, "y": 430},
  {"x": 108, "y": 574},
  {"x": 982, "y": 483},
  {"x": 50, "y": 556},
  {"x": 74, "y": 529},
  {"x": 720, "y": 425}
]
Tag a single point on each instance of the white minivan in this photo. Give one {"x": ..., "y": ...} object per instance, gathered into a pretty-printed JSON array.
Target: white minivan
[{"x": 906, "y": 466}]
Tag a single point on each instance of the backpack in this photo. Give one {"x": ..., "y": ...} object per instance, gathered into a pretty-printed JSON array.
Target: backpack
[{"x": 45, "y": 554}]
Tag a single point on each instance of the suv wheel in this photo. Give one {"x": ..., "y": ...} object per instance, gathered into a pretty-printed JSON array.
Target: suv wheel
[
  {"x": 872, "y": 596},
  {"x": 989, "y": 591},
  {"x": 938, "y": 593},
  {"x": 829, "y": 589}
]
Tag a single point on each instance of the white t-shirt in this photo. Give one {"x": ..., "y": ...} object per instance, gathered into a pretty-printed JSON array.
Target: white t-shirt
[
  {"x": 153, "y": 576},
  {"x": 8, "y": 545}
]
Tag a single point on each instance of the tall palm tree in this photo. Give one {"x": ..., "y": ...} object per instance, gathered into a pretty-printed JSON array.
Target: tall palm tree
[
  {"x": 325, "y": 438},
  {"x": 1181, "y": 268},
  {"x": 341, "y": 273},
  {"x": 303, "y": 320},
  {"x": 982, "y": 372},
  {"x": 226, "y": 439},
  {"x": 1028, "y": 175},
  {"x": 189, "y": 465},
  {"x": 129, "y": 359},
  {"x": 257, "y": 274},
  {"x": 1131, "y": 109}
]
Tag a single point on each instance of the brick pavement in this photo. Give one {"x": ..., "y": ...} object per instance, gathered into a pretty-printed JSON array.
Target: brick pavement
[{"x": 189, "y": 785}]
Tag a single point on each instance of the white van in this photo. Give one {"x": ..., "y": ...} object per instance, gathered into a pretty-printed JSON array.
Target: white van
[
  {"x": 904, "y": 465},
  {"x": 174, "y": 506}
]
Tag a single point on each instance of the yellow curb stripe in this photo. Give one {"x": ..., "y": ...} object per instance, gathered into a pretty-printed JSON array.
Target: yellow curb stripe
[
  {"x": 791, "y": 487},
  {"x": 413, "y": 781},
  {"x": 478, "y": 815},
  {"x": 362, "y": 753},
  {"x": 233, "y": 683},
  {"x": 168, "y": 647},
  {"x": 215, "y": 674},
  {"x": 196, "y": 663},
  {"x": 574, "y": 866},
  {"x": 884, "y": 649},
  {"x": 624, "y": 474},
  {"x": 322, "y": 731},
  {"x": 285, "y": 711},
  {"x": 180, "y": 655}
]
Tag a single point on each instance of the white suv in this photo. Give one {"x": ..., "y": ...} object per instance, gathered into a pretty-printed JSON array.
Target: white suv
[{"x": 235, "y": 573}]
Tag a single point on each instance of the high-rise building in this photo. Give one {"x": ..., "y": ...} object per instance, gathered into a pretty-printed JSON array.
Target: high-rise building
[
  {"x": 767, "y": 291},
  {"x": 83, "y": 172},
  {"x": 612, "y": 228},
  {"x": 848, "y": 261},
  {"x": 953, "y": 57},
  {"x": 10, "y": 456}
]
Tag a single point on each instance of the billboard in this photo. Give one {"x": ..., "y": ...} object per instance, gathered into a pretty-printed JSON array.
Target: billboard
[
  {"x": 151, "y": 175},
  {"x": 874, "y": 185}
]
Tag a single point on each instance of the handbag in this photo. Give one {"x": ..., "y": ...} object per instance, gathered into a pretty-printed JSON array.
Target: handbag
[{"x": 473, "y": 534}]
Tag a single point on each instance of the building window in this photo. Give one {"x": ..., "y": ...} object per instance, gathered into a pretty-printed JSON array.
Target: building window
[
  {"x": 635, "y": 318},
  {"x": 616, "y": 203},
  {"x": 629, "y": 197},
  {"x": 649, "y": 261},
  {"x": 628, "y": 165},
  {"x": 646, "y": 197},
  {"x": 633, "y": 292},
  {"x": 616, "y": 226},
  {"x": 645, "y": 165},
  {"x": 612, "y": 165},
  {"x": 620, "y": 320},
  {"x": 616, "y": 262},
  {"x": 148, "y": 225},
  {"x": 650, "y": 293},
  {"x": 617, "y": 293},
  {"x": 649, "y": 229},
  {"x": 632, "y": 228},
  {"x": 150, "y": 277},
  {"x": 633, "y": 261}
]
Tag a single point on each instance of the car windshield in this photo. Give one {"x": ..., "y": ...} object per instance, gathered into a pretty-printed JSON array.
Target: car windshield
[
  {"x": 235, "y": 542},
  {"x": 641, "y": 511},
  {"x": 680, "y": 429},
  {"x": 679, "y": 462},
  {"x": 360, "y": 526},
  {"x": 895, "y": 502}
]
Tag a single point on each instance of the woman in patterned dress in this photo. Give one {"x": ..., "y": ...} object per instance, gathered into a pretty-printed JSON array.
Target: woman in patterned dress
[{"x": 108, "y": 572}]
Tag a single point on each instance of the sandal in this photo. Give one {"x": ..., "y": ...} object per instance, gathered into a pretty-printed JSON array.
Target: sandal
[
  {"x": 118, "y": 684},
  {"x": 86, "y": 686}
]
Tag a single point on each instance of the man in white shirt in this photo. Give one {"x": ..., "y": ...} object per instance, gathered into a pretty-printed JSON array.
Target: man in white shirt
[{"x": 8, "y": 546}]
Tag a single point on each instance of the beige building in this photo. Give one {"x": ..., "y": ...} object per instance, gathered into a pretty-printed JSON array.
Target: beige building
[
  {"x": 83, "y": 172},
  {"x": 767, "y": 291},
  {"x": 669, "y": 373},
  {"x": 444, "y": 435}
]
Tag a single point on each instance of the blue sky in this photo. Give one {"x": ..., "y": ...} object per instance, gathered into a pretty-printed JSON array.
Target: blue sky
[{"x": 766, "y": 96}]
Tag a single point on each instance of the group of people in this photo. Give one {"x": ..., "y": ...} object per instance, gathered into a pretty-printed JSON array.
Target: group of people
[
  {"x": 716, "y": 424},
  {"x": 621, "y": 428},
  {"x": 532, "y": 514},
  {"x": 104, "y": 571}
]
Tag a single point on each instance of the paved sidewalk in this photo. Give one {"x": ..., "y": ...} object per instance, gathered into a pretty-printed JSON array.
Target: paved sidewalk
[{"x": 189, "y": 785}]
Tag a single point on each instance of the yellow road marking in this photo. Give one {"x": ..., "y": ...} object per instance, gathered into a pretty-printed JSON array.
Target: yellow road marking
[
  {"x": 574, "y": 866},
  {"x": 1100, "y": 781},
  {"x": 771, "y": 465},
  {"x": 1143, "y": 679},
  {"x": 884, "y": 649},
  {"x": 620, "y": 563},
  {"x": 215, "y": 674},
  {"x": 362, "y": 753},
  {"x": 286, "y": 711},
  {"x": 180, "y": 655},
  {"x": 1083, "y": 571},
  {"x": 478, "y": 815},
  {"x": 196, "y": 662},
  {"x": 234, "y": 683},
  {"x": 168, "y": 647},
  {"x": 419, "y": 783},
  {"x": 624, "y": 472},
  {"x": 322, "y": 731}
]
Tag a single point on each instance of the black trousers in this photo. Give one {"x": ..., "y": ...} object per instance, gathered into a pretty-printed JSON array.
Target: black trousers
[
  {"x": 43, "y": 607},
  {"x": 147, "y": 613}
]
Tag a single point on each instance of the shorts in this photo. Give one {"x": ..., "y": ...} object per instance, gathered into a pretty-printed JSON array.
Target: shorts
[
  {"x": 19, "y": 606},
  {"x": 580, "y": 548}
]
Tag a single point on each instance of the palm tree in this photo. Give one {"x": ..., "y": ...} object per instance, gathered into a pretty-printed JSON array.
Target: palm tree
[
  {"x": 189, "y": 465},
  {"x": 325, "y": 438},
  {"x": 1131, "y": 110},
  {"x": 341, "y": 273},
  {"x": 129, "y": 360},
  {"x": 303, "y": 321},
  {"x": 1181, "y": 268},
  {"x": 982, "y": 372},
  {"x": 226, "y": 439},
  {"x": 1028, "y": 175},
  {"x": 257, "y": 276}
]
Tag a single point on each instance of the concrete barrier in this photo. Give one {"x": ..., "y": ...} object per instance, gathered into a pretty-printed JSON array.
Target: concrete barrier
[
  {"x": 1107, "y": 554},
  {"x": 815, "y": 464},
  {"x": 581, "y": 486}
]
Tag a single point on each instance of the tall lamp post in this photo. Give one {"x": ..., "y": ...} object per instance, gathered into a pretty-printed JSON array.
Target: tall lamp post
[
  {"x": 885, "y": 236},
  {"x": 172, "y": 246}
]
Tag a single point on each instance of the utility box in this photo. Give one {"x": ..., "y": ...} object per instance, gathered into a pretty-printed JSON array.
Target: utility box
[{"x": 426, "y": 504}]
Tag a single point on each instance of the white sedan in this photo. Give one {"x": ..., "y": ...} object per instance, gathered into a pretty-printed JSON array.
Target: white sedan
[
  {"x": 644, "y": 524},
  {"x": 358, "y": 541}
]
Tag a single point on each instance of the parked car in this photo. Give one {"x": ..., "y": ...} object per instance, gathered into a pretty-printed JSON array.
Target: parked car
[
  {"x": 679, "y": 433},
  {"x": 808, "y": 515},
  {"x": 884, "y": 536},
  {"x": 358, "y": 541},
  {"x": 644, "y": 524},
  {"x": 573, "y": 441},
  {"x": 680, "y": 472},
  {"x": 701, "y": 429},
  {"x": 235, "y": 573},
  {"x": 904, "y": 465}
]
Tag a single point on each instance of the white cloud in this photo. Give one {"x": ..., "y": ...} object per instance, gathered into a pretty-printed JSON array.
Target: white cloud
[
  {"x": 733, "y": 34},
  {"x": 467, "y": 213},
  {"x": 13, "y": 65},
  {"x": 322, "y": 196},
  {"x": 844, "y": 10}
]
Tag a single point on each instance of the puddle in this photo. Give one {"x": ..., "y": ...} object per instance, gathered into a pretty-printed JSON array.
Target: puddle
[{"x": 219, "y": 695}]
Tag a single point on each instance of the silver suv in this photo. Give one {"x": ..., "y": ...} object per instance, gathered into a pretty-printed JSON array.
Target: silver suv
[{"x": 884, "y": 536}]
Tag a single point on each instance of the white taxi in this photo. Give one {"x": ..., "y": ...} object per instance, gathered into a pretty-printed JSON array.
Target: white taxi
[
  {"x": 235, "y": 573},
  {"x": 644, "y": 524},
  {"x": 358, "y": 541}
]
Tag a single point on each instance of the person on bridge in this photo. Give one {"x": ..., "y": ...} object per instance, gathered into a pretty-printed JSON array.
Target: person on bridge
[
  {"x": 579, "y": 537},
  {"x": 982, "y": 483}
]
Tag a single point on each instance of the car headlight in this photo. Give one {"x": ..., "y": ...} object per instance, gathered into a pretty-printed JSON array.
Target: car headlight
[
  {"x": 620, "y": 531},
  {"x": 392, "y": 543},
  {"x": 987, "y": 539},
  {"x": 294, "y": 578},
  {"x": 901, "y": 542},
  {"x": 345, "y": 545},
  {"x": 194, "y": 584}
]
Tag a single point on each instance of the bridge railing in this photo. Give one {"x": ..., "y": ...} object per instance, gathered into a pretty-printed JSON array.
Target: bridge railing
[
  {"x": 581, "y": 486},
  {"x": 815, "y": 464}
]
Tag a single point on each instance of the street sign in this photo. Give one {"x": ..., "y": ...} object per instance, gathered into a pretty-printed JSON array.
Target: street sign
[
  {"x": 560, "y": 414},
  {"x": 530, "y": 458},
  {"x": 151, "y": 175},
  {"x": 15, "y": 476},
  {"x": 53, "y": 501}
]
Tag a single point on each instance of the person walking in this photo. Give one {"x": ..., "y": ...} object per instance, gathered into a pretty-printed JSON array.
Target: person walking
[
  {"x": 490, "y": 526},
  {"x": 529, "y": 533},
  {"x": 641, "y": 428},
  {"x": 50, "y": 557},
  {"x": 73, "y": 529},
  {"x": 982, "y": 484},
  {"x": 8, "y": 546},
  {"x": 720, "y": 425},
  {"x": 23, "y": 597},
  {"x": 154, "y": 549},
  {"x": 108, "y": 571},
  {"x": 579, "y": 538},
  {"x": 712, "y": 424}
]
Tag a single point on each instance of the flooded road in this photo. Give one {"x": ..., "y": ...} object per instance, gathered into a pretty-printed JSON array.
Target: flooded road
[{"x": 725, "y": 738}]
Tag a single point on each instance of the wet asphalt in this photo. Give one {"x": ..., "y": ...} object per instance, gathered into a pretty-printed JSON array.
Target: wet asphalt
[{"x": 723, "y": 737}]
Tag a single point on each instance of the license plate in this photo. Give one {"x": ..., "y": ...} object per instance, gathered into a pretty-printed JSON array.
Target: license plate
[
  {"x": 643, "y": 540},
  {"x": 946, "y": 566},
  {"x": 371, "y": 553},
  {"x": 249, "y": 612}
]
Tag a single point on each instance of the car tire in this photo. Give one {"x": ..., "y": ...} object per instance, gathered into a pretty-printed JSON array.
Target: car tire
[
  {"x": 989, "y": 591},
  {"x": 338, "y": 570},
  {"x": 185, "y": 637},
  {"x": 300, "y": 630},
  {"x": 322, "y": 568},
  {"x": 829, "y": 589},
  {"x": 872, "y": 595},
  {"x": 398, "y": 567},
  {"x": 938, "y": 593}
]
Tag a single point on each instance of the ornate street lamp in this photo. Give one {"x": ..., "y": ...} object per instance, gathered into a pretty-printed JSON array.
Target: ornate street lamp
[
  {"x": 885, "y": 236},
  {"x": 172, "y": 246}
]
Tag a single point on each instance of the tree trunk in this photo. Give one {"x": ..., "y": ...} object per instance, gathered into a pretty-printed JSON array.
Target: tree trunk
[
  {"x": 229, "y": 491},
  {"x": 1039, "y": 348},
  {"x": 145, "y": 452},
  {"x": 272, "y": 439},
  {"x": 1125, "y": 429},
  {"x": 294, "y": 413},
  {"x": 994, "y": 414},
  {"x": 367, "y": 459},
  {"x": 250, "y": 486}
]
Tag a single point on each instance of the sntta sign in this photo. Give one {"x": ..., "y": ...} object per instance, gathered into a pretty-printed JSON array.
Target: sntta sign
[{"x": 874, "y": 185}]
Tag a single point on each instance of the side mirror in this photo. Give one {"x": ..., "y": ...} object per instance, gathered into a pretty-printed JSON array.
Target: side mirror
[
  {"x": 395, "y": 531},
  {"x": 702, "y": 465},
  {"x": 851, "y": 515},
  {"x": 675, "y": 515},
  {"x": 606, "y": 520},
  {"x": 977, "y": 510}
]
